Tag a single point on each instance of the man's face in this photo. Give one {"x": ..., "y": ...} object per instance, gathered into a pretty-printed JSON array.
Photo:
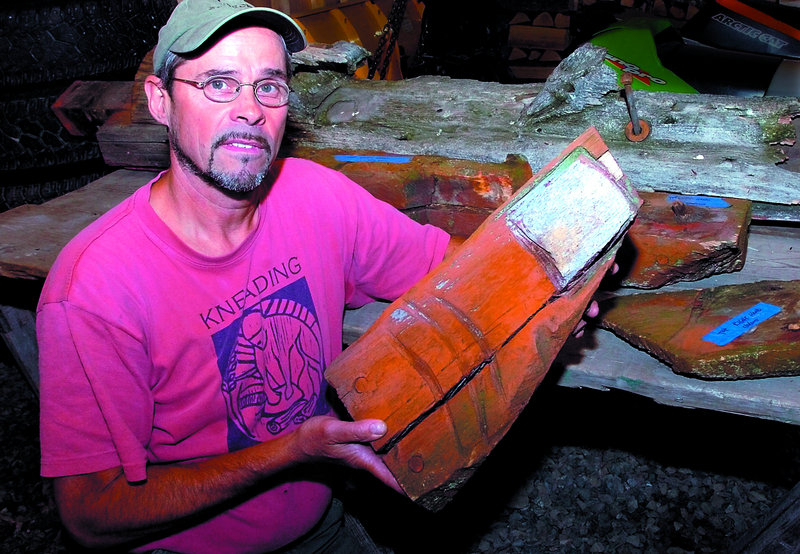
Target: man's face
[{"x": 229, "y": 145}]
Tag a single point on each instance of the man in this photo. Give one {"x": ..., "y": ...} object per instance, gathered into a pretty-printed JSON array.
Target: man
[{"x": 185, "y": 334}]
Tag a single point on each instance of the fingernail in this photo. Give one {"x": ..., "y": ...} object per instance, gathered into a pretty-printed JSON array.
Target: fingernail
[{"x": 378, "y": 428}]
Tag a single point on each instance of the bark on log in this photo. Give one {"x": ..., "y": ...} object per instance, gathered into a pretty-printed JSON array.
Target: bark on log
[{"x": 699, "y": 144}]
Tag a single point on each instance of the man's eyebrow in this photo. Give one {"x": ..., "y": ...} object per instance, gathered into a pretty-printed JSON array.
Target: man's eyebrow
[{"x": 271, "y": 73}]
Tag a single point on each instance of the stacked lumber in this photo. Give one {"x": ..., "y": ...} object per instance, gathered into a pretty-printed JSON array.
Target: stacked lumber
[{"x": 537, "y": 44}]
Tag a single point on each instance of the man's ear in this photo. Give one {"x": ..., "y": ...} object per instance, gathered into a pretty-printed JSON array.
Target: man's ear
[{"x": 158, "y": 101}]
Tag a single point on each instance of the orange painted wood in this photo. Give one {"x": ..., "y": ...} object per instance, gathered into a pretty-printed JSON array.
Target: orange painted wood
[
  {"x": 671, "y": 326},
  {"x": 417, "y": 181},
  {"x": 451, "y": 364},
  {"x": 678, "y": 238}
]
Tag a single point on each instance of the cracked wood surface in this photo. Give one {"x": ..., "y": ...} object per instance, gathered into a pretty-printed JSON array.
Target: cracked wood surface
[{"x": 699, "y": 143}]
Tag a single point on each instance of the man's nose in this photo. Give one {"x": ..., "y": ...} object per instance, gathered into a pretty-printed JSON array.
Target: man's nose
[{"x": 247, "y": 106}]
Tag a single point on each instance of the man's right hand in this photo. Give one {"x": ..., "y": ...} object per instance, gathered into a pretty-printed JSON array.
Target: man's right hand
[{"x": 328, "y": 438}]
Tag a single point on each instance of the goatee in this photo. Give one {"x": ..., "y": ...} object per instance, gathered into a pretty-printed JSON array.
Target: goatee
[{"x": 243, "y": 181}]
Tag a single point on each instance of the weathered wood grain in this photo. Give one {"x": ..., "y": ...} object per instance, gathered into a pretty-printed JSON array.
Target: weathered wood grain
[
  {"x": 684, "y": 238},
  {"x": 699, "y": 144},
  {"x": 33, "y": 235},
  {"x": 716, "y": 145},
  {"x": 675, "y": 327}
]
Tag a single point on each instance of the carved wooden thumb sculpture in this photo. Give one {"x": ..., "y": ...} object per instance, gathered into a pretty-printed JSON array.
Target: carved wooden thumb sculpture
[{"x": 451, "y": 364}]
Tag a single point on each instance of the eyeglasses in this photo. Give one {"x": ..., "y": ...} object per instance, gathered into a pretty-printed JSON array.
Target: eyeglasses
[{"x": 269, "y": 92}]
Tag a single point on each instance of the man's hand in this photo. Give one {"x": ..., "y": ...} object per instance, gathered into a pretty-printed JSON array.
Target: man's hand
[
  {"x": 328, "y": 438},
  {"x": 592, "y": 311}
]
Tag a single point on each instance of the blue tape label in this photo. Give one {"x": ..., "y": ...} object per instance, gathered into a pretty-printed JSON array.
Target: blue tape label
[
  {"x": 739, "y": 325},
  {"x": 704, "y": 201},
  {"x": 373, "y": 159}
]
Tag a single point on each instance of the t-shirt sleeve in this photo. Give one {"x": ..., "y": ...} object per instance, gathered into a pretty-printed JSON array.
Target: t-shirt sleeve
[
  {"x": 96, "y": 409},
  {"x": 390, "y": 251}
]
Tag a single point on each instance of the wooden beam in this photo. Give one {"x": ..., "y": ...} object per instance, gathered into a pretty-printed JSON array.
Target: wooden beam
[
  {"x": 699, "y": 144},
  {"x": 34, "y": 234}
]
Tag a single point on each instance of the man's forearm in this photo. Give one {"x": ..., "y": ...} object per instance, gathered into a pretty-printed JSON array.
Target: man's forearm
[{"x": 103, "y": 509}]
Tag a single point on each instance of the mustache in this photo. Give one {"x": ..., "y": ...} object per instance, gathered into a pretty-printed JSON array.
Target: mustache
[{"x": 252, "y": 137}]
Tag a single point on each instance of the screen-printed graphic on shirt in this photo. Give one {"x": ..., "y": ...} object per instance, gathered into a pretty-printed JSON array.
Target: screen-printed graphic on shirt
[{"x": 271, "y": 363}]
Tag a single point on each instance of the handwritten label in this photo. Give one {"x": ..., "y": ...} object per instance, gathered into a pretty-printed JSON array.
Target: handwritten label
[
  {"x": 372, "y": 159},
  {"x": 704, "y": 201},
  {"x": 739, "y": 325}
]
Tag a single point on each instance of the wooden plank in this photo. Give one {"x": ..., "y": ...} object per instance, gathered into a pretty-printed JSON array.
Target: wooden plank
[
  {"x": 743, "y": 331},
  {"x": 530, "y": 36},
  {"x": 18, "y": 331},
  {"x": 417, "y": 181},
  {"x": 778, "y": 532},
  {"x": 33, "y": 235},
  {"x": 685, "y": 238},
  {"x": 85, "y": 105},
  {"x": 466, "y": 347}
]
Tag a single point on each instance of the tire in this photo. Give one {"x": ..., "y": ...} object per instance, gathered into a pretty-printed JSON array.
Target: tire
[
  {"x": 25, "y": 187},
  {"x": 68, "y": 40},
  {"x": 44, "y": 47}
]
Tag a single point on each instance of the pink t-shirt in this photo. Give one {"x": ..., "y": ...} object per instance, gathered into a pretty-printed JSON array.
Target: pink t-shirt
[{"x": 153, "y": 353}]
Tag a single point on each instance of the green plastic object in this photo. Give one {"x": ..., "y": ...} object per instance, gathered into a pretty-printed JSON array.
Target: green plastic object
[{"x": 631, "y": 48}]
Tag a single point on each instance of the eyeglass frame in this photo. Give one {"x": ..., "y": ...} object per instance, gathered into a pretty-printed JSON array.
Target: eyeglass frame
[{"x": 202, "y": 84}]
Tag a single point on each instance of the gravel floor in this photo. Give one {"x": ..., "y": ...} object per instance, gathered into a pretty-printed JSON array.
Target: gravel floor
[{"x": 581, "y": 471}]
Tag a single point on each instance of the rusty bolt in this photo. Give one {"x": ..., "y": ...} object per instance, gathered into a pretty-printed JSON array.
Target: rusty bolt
[{"x": 638, "y": 129}]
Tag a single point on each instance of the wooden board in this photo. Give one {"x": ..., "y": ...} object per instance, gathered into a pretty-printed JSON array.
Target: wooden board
[
  {"x": 685, "y": 238},
  {"x": 33, "y": 235},
  {"x": 744, "y": 331}
]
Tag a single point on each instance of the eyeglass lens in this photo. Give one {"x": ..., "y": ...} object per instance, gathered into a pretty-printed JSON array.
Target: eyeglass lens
[{"x": 225, "y": 89}]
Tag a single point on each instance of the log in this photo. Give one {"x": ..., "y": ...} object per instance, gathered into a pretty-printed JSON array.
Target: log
[
  {"x": 451, "y": 364},
  {"x": 744, "y": 331},
  {"x": 699, "y": 144}
]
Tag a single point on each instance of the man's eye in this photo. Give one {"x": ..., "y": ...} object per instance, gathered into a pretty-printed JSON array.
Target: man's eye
[
  {"x": 219, "y": 84},
  {"x": 267, "y": 88}
]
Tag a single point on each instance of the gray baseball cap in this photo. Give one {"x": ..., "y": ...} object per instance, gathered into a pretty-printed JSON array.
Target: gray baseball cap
[{"x": 193, "y": 22}]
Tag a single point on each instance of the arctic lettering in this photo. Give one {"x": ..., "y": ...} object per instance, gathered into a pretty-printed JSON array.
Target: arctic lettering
[{"x": 749, "y": 31}]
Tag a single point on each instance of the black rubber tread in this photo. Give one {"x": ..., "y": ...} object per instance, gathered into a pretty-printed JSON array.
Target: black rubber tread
[
  {"x": 32, "y": 136},
  {"x": 36, "y": 187},
  {"x": 69, "y": 40}
]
